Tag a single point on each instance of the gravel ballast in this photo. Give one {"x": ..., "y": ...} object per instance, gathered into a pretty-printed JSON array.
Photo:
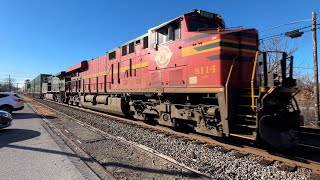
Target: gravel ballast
[{"x": 209, "y": 161}]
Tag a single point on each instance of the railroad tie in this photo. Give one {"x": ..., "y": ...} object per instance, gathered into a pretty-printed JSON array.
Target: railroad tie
[
  {"x": 287, "y": 167},
  {"x": 266, "y": 162}
]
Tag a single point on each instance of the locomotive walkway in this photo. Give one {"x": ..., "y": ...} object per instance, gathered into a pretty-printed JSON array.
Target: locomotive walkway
[{"x": 29, "y": 150}]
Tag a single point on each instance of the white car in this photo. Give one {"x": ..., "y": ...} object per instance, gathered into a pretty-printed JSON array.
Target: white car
[{"x": 10, "y": 102}]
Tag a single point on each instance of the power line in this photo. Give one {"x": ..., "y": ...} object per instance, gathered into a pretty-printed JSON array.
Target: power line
[
  {"x": 272, "y": 36},
  {"x": 283, "y": 34},
  {"x": 290, "y": 23},
  {"x": 311, "y": 29},
  {"x": 297, "y": 67}
]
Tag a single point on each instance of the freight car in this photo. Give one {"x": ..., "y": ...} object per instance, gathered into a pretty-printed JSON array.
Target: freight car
[
  {"x": 193, "y": 71},
  {"x": 35, "y": 88}
]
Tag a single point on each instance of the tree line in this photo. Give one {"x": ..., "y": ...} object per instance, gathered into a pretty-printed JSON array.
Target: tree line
[{"x": 8, "y": 85}]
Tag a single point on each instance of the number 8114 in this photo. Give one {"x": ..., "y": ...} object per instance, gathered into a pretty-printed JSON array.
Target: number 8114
[{"x": 205, "y": 70}]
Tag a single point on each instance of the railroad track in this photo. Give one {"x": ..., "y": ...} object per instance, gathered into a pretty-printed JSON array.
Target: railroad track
[
  {"x": 289, "y": 162},
  {"x": 309, "y": 143},
  {"x": 100, "y": 171},
  {"x": 75, "y": 144},
  {"x": 310, "y": 137}
]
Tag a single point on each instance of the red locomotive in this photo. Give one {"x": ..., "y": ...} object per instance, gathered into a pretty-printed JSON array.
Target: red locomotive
[{"x": 192, "y": 71}]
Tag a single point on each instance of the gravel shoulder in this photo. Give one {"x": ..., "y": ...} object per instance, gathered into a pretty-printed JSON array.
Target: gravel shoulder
[
  {"x": 207, "y": 160},
  {"x": 123, "y": 160}
]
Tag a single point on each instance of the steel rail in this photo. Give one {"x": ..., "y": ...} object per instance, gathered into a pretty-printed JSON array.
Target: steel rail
[
  {"x": 136, "y": 145},
  {"x": 295, "y": 161},
  {"x": 77, "y": 149}
]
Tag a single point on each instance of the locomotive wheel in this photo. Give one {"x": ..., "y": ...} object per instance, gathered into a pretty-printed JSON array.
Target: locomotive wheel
[{"x": 276, "y": 134}]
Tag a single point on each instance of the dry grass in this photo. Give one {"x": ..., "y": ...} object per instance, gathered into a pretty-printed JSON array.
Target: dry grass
[
  {"x": 26, "y": 99},
  {"x": 40, "y": 109},
  {"x": 308, "y": 112}
]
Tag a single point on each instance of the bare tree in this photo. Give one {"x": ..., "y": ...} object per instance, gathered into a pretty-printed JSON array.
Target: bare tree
[
  {"x": 304, "y": 80},
  {"x": 8, "y": 84},
  {"x": 277, "y": 46}
]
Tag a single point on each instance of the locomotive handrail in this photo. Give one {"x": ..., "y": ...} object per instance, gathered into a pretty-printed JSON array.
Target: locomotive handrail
[
  {"x": 252, "y": 79},
  {"x": 227, "y": 84}
]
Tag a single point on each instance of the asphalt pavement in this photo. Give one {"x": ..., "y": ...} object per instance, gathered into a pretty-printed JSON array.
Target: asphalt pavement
[{"x": 29, "y": 150}]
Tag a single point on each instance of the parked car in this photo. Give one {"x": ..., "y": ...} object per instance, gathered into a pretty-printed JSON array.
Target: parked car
[
  {"x": 5, "y": 119},
  {"x": 10, "y": 102}
]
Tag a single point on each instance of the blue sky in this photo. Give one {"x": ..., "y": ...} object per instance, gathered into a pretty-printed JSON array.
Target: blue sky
[{"x": 47, "y": 36}]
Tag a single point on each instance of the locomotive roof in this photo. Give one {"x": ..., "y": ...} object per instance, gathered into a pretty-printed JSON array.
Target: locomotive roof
[
  {"x": 152, "y": 29},
  {"x": 128, "y": 42},
  {"x": 157, "y": 27},
  {"x": 163, "y": 24},
  {"x": 192, "y": 11}
]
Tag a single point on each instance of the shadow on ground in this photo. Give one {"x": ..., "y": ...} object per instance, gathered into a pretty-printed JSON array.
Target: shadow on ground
[
  {"x": 8, "y": 136},
  {"x": 24, "y": 116},
  {"x": 153, "y": 171},
  {"x": 17, "y": 116}
]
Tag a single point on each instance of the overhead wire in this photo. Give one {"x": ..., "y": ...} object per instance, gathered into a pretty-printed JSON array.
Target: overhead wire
[
  {"x": 297, "y": 67},
  {"x": 311, "y": 30},
  {"x": 290, "y": 23},
  {"x": 283, "y": 34}
]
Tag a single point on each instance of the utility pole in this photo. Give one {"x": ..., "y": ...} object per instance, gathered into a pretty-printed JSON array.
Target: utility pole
[
  {"x": 9, "y": 84},
  {"x": 315, "y": 61}
]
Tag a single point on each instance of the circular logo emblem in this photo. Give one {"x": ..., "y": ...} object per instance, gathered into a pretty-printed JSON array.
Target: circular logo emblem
[{"x": 163, "y": 56}]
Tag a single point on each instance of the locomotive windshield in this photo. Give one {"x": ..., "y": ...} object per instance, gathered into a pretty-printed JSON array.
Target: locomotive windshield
[
  {"x": 202, "y": 23},
  {"x": 202, "y": 20}
]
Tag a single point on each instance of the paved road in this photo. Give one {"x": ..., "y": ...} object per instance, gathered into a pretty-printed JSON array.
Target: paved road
[{"x": 28, "y": 151}]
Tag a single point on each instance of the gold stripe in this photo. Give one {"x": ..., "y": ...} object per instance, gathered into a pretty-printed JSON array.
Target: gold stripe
[
  {"x": 189, "y": 51},
  {"x": 170, "y": 90},
  {"x": 269, "y": 92},
  {"x": 193, "y": 89},
  {"x": 263, "y": 89}
]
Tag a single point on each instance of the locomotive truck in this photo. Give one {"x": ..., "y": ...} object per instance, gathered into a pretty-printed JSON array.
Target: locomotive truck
[{"x": 191, "y": 71}]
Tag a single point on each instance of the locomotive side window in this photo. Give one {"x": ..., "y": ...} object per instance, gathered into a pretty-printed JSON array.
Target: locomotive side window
[
  {"x": 176, "y": 32},
  {"x": 112, "y": 55},
  {"x": 130, "y": 66},
  {"x": 174, "y": 27},
  {"x": 145, "y": 42},
  {"x": 131, "y": 48},
  {"x": 124, "y": 50},
  {"x": 153, "y": 39},
  {"x": 170, "y": 32},
  {"x": 112, "y": 71},
  {"x": 118, "y": 73},
  {"x": 163, "y": 35}
]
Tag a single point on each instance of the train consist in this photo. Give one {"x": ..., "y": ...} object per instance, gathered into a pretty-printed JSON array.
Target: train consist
[{"x": 189, "y": 71}]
